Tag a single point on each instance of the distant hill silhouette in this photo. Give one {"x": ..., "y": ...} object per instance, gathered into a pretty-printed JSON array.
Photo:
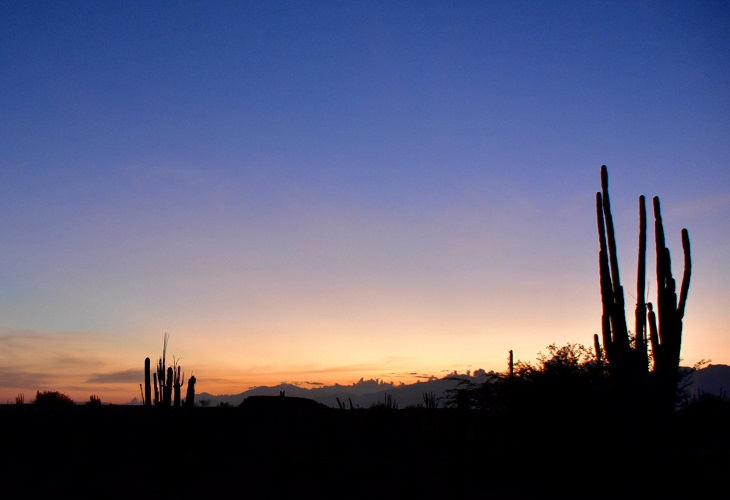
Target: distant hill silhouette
[
  {"x": 363, "y": 394},
  {"x": 712, "y": 379}
]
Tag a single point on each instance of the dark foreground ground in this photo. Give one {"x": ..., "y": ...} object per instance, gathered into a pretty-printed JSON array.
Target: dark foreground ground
[{"x": 280, "y": 451}]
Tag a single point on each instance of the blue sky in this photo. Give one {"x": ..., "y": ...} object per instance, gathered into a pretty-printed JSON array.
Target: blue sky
[{"x": 320, "y": 191}]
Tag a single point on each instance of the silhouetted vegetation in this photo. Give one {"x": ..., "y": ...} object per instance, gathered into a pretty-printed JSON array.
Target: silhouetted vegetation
[
  {"x": 431, "y": 401},
  {"x": 388, "y": 403},
  {"x": 168, "y": 383},
  {"x": 636, "y": 386},
  {"x": 52, "y": 398},
  {"x": 341, "y": 404},
  {"x": 564, "y": 379}
]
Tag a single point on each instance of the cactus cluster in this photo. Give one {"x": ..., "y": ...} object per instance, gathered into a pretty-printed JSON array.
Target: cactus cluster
[
  {"x": 628, "y": 357},
  {"x": 167, "y": 382}
]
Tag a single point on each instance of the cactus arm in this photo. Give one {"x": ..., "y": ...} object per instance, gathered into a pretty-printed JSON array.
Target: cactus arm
[
  {"x": 611, "y": 239},
  {"x": 618, "y": 316},
  {"x": 605, "y": 280},
  {"x": 687, "y": 273},
  {"x": 640, "y": 319}
]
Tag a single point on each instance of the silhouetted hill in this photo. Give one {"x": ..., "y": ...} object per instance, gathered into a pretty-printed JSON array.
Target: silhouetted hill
[
  {"x": 713, "y": 379},
  {"x": 363, "y": 394}
]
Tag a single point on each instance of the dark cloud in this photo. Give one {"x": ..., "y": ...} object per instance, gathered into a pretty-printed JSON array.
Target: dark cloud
[
  {"x": 120, "y": 377},
  {"x": 298, "y": 384},
  {"x": 71, "y": 360},
  {"x": 12, "y": 378}
]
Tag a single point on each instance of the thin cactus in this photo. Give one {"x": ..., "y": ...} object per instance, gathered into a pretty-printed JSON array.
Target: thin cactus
[
  {"x": 177, "y": 384},
  {"x": 390, "y": 403},
  {"x": 167, "y": 392},
  {"x": 430, "y": 401},
  {"x": 640, "y": 312},
  {"x": 161, "y": 379},
  {"x": 147, "y": 397},
  {"x": 190, "y": 395},
  {"x": 615, "y": 333}
]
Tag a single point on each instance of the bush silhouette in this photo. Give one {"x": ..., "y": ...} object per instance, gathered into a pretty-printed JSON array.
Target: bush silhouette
[{"x": 52, "y": 398}]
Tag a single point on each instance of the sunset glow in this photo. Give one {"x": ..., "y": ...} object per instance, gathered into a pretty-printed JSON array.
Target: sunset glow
[{"x": 316, "y": 193}]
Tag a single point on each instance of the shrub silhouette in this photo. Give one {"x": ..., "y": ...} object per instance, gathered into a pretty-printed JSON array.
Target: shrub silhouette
[
  {"x": 564, "y": 378},
  {"x": 52, "y": 398}
]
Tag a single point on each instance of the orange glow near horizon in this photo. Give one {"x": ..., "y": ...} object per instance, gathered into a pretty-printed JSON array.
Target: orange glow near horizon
[{"x": 224, "y": 366}]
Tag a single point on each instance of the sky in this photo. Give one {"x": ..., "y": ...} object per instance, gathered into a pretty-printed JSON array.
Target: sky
[{"x": 319, "y": 192}]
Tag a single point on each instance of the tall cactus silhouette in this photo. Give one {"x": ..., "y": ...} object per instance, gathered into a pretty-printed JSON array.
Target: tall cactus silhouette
[
  {"x": 147, "y": 383},
  {"x": 190, "y": 396},
  {"x": 176, "y": 385},
  {"x": 167, "y": 389},
  {"x": 666, "y": 333},
  {"x": 627, "y": 357}
]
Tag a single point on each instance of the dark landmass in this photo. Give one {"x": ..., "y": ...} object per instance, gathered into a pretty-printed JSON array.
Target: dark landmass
[
  {"x": 712, "y": 379},
  {"x": 287, "y": 447}
]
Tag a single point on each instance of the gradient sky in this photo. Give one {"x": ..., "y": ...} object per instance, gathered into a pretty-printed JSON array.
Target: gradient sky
[{"x": 315, "y": 192}]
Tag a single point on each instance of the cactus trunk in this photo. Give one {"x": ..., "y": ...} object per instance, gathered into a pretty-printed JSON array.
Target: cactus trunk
[
  {"x": 176, "y": 386},
  {"x": 190, "y": 395},
  {"x": 147, "y": 383},
  {"x": 167, "y": 394}
]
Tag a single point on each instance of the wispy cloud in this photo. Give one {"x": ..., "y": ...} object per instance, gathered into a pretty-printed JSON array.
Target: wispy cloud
[
  {"x": 14, "y": 378},
  {"x": 706, "y": 205},
  {"x": 66, "y": 351},
  {"x": 19, "y": 339},
  {"x": 118, "y": 377}
]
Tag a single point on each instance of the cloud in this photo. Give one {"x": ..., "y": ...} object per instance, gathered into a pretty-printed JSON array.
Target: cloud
[
  {"x": 13, "y": 378},
  {"x": 70, "y": 361},
  {"x": 22, "y": 339},
  {"x": 118, "y": 377},
  {"x": 715, "y": 203}
]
